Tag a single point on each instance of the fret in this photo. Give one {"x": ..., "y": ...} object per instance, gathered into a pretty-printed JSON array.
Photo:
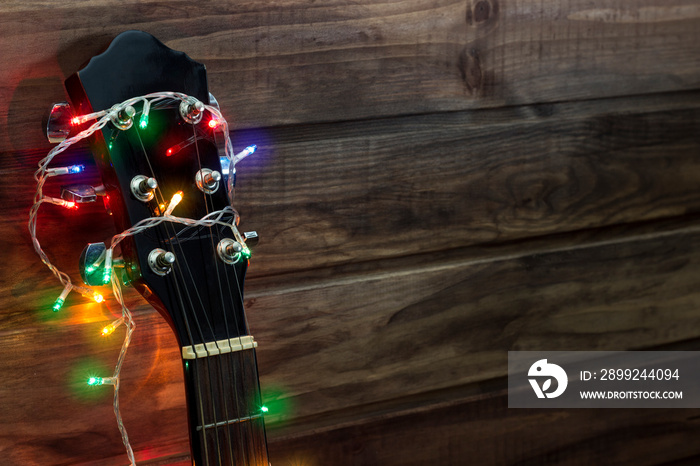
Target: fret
[
  {"x": 227, "y": 426},
  {"x": 230, "y": 421}
]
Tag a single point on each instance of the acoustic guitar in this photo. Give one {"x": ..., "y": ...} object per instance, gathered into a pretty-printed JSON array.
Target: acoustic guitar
[{"x": 164, "y": 154}]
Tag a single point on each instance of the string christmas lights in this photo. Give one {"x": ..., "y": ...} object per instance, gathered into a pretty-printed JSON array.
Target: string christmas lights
[{"x": 226, "y": 217}]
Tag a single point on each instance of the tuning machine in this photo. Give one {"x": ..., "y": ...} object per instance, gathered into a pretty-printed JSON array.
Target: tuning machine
[
  {"x": 208, "y": 180},
  {"x": 122, "y": 118},
  {"x": 161, "y": 261},
  {"x": 191, "y": 110},
  {"x": 143, "y": 188}
]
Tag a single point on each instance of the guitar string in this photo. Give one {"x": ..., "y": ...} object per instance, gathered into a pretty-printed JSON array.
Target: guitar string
[
  {"x": 236, "y": 280},
  {"x": 239, "y": 427},
  {"x": 255, "y": 439},
  {"x": 178, "y": 268},
  {"x": 245, "y": 317},
  {"x": 206, "y": 200},
  {"x": 205, "y": 315}
]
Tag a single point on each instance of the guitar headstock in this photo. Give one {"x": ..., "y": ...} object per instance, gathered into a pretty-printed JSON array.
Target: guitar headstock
[{"x": 164, "y": 157}]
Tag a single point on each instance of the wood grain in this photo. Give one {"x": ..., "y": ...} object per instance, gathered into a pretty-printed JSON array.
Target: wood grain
[
  {"x": 324, "y": 195},
  {"x": 290, "y": 62},
  {"x": 482, "y": 430},
  {"x": 438, "y": 182},
  {"x": 371, "y": 338}
]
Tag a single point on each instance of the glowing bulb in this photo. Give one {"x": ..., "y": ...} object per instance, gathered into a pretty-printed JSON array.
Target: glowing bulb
[
  {"x": 243, "y": 154},
  {"x": 170, "y": 151},
  {"x": 58, "y": 304},
  {"x": 65, "y": 170},
  {"x": 177, "y": 197},
  {"x": 94, "y": 381},
  {"x": 213, "y": 123},
  {"x": 101, "y": 381},
  {"x": 107, "y": 274},
  {"x": 109, "y": 329},
  {"x": 143, "y": 122},
  {"x": 95, "y": 296},
  {"x": 245, "y": 252},
  {"x": 70, "y": 205},
  {"x": 75, "y": 121},
  {"x": 264, "y": 409}
]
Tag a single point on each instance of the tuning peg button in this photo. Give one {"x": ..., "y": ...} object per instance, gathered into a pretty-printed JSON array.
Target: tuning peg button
[
  {"x": 251, "y": 238},
  {"x": 58, "y": 126},
  {"x": 78, "y": 193}
]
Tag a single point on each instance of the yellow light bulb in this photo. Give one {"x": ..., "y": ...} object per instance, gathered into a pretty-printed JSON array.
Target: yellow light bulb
[
  {"x": 177, "y": 197},
  {"x": 98, "y": 297}
]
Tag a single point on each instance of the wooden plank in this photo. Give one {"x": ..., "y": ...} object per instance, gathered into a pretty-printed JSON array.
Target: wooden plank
[
  {"x": 353, "y": 192},
  {"x": 483, "y": 431},
  {"x": 356, "y": 339},
  {"x": 273, "y": 63},
  {"x": 324, "y": 195}
]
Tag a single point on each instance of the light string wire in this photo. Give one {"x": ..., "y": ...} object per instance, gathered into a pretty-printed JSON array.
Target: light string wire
[{"x": 216, "y": 218}]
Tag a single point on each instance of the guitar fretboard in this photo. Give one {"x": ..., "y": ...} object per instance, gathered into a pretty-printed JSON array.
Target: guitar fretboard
[{"x": 225, "y": 410}]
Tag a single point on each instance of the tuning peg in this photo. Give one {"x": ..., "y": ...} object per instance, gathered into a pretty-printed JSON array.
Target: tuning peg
[
  {"x": 207, "y": 180},
  {"x": 213, "y": 102},
  {"x": 122, "y": 117},
  {"x": 191, "y": 110},
  {"x": 251, "y": 238},
  {"x": 143, "y": 188},
  {"x": 58, "y": 126},
  {"x": 161, "y": 261}
]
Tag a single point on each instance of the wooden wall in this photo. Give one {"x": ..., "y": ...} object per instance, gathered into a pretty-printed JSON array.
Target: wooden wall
[{"x": 438, "y": 182}]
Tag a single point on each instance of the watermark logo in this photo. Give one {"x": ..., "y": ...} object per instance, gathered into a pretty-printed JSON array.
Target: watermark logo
[{"x": 543, "y": 369}]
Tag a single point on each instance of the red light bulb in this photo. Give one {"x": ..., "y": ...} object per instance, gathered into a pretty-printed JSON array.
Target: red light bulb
[{"x": 213, "y": 123}]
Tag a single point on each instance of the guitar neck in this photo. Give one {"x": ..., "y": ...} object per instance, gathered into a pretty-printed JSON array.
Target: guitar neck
[{"x": 225, "y": 409}]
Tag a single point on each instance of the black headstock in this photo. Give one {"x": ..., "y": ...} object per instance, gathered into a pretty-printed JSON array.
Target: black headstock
[{"x": 193, "y": 274}]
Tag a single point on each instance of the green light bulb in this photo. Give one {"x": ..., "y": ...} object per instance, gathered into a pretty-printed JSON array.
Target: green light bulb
[
  {"x": 264, "y": 409},
  {"x": 245, "y": 252},
  {"x": 107, "y": 277},
  {"x": 94, "y": 381},
  {"x": 58, "y": 304},
  {"x": 143, "y": 123}
]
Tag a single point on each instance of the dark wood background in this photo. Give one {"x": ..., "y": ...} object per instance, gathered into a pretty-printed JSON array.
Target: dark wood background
[{"x": 438, "y": 182}]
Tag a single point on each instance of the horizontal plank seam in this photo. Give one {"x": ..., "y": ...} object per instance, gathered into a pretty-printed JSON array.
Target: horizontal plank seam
[
  {"x": 441, "y": 267},
  {"x": 629, "y": 97}
]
